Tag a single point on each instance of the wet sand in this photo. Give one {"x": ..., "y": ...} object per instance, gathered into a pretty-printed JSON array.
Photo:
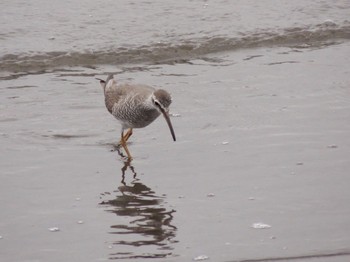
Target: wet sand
[{"x": 263, "y": 137}]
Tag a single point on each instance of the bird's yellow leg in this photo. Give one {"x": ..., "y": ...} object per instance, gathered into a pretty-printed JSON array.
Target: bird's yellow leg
[
  {"x": 128, "y": 134},
  {"x": 123, "y": 144}
]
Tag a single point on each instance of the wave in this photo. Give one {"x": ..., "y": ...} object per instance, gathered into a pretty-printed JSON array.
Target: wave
[{"x": 297, "y": 37}]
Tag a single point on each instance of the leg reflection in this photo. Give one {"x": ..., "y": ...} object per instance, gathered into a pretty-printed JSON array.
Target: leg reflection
[
  {"x": 127, "y": 165},
  {"x": 143, "y": 221}
]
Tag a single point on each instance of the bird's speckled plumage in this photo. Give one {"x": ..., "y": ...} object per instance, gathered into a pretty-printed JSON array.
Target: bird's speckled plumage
[
  {"x": 135, "y": 106},
  {"x": 132, "y": 105}
]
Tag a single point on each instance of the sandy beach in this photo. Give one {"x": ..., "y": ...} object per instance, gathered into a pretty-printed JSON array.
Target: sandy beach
[{"x": 262, "y": 141}]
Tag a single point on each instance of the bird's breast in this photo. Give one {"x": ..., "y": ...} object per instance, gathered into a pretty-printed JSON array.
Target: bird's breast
[{"x": 134, "y": 116}]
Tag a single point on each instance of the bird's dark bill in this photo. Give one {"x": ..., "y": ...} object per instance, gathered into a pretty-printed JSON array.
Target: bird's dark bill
[{"x": 167, "y": 118}]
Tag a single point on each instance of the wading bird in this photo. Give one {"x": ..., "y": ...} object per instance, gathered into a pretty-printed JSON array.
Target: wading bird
[{"x": 135, "y": 106}]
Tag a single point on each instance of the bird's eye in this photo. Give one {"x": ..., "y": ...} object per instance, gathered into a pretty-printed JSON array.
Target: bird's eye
[{"x": 156, "y": 103}]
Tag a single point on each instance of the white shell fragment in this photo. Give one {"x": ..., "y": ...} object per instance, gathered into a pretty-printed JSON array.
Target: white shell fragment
[
  {"x": 260, "y": 226},
  {"x": 54, "y": 229},
  {"x": 200, "y": 258}
]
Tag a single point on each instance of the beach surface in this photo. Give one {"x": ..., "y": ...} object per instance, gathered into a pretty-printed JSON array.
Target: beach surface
[{"x": 259, "y": 171}]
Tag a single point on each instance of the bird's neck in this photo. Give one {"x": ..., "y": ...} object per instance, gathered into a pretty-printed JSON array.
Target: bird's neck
[{"x": 149, "y": 101}]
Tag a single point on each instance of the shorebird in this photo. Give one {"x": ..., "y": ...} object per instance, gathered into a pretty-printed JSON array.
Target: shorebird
[{"x": 135, "y": 106}]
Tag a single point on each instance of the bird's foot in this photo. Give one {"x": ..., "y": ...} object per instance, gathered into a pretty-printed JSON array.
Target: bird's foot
[{"x": 118, "y": 148}]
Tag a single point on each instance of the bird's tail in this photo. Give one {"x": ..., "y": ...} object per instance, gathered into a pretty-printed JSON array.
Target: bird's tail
[
  {"x": 110, "y": 77},
  {"x": 109, "y": 81}
]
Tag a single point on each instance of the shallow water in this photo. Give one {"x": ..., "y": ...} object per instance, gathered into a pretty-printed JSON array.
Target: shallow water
[
  {"x": 262, "y": 132},
  {"x": 263, "y": 137}
]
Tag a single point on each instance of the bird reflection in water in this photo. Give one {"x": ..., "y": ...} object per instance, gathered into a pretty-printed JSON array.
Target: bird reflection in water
[{"x": 149, "y": 232}]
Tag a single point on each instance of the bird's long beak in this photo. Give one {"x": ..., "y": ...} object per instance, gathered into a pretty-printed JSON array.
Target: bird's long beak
[{"x": 167, "y": 118}]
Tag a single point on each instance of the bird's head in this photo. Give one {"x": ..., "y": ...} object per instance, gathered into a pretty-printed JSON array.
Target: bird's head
[{"x": 161, "y": 100}]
